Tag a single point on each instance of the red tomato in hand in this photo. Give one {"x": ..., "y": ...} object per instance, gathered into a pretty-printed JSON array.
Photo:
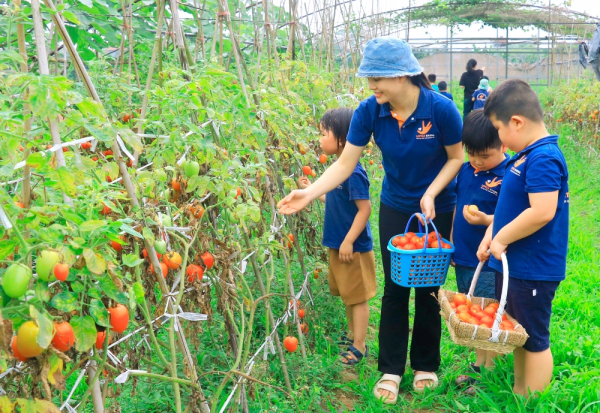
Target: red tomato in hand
[{"x": 306, "y": 170}]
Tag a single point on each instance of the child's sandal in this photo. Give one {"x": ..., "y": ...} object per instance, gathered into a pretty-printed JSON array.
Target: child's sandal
[
  {"x": 353, "y": 356},
  {"x": 344, "y": 340},
  {"x": 466, "y": 378}
]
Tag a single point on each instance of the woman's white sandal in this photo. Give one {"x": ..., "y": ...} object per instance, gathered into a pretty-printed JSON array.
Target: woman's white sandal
[
  {"x": 384, "y": 386},
  {"x": 425, "y": 376}
]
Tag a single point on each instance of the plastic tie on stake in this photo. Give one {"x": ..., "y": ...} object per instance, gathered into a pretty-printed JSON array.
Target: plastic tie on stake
[
  {"x": 124, "y": 148},
  {"x": 4, "y": 219},
  {"x": 122, "y": 378}
]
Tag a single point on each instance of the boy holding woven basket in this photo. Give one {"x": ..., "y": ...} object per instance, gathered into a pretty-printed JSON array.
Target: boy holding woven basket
[
  {"x": 478, "y": 186},
  {"x": 531, "y": 225}
]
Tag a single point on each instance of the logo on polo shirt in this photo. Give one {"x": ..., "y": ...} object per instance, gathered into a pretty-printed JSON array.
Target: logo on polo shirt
[
  {"x": 567, "y": 198},
  {"x": 491, "y": 183},
  {"x": 422, "y": 131},
  {"x": 518, "y": 163}
]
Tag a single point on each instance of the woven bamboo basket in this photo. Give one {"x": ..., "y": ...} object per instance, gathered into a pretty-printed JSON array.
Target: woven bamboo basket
[{"x": 470, "y": 335}]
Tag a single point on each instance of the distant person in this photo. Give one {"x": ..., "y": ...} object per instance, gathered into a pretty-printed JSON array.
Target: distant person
[
  {"x": 432, "y": 78},
  {"x": 443, "y": 86},
  {"x": 469, "y": 81},
  {"x": 481, "y": 94}
]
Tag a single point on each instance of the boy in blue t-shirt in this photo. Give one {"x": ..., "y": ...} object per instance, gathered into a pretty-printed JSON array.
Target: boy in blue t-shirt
[
  {"x": 481, "y": 94},
  {"x": 531, "y": 225},
  {"x": 443, "y": 86},
  {"x": 347, "y": 234},
  {"x": 478, "y": 185},
  {"x": 432, "y": 78}
]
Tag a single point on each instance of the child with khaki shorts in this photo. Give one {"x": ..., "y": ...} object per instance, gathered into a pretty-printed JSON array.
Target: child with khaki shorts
[{"x": 347, "y": 234}]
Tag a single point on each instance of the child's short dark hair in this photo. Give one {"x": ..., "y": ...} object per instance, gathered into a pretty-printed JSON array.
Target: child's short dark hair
[
  {"x": 431, "y": 77},
  {"x": 338, "y": 122},
  {"x": 443, "y": 85},
  {"x": 514, "y": 97},
  {"x": 479, "y": 134}
]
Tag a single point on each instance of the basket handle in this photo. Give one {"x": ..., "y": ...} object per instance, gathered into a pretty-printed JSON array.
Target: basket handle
[
  {"x": 426, "y": 230},
  {"x": 496, "y": 326}
]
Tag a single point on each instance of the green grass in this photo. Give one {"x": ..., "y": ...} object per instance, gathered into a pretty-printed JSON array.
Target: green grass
[{"x": 575, "y": 330}]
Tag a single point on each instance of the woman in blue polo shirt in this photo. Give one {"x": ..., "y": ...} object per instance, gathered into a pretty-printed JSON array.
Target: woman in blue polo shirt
[{"x": 419, "y": 134}]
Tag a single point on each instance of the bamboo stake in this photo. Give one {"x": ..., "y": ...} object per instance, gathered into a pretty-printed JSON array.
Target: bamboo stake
[
  {"x": 42, "y": 57},
  {"x": 26, "y": 187}
]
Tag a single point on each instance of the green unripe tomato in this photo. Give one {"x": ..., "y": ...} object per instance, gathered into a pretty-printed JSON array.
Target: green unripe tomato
[
  {"x": 15, "y": 280},
  {"x": 45, "y": 263},
  {"x": 191, "y": 168},
  {"x": 166, "y": 221},
  {"x": 160, "y": 246}
]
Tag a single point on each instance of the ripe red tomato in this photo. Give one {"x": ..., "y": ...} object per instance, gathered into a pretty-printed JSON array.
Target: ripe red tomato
[
  {"x": 434, "y": 244},
  {"x": 208, "y": 260},
  {"x": 105, "y": 210},
  {"x": 371, "y": 162},
  {"x": 418, "y": 243},
  {"x": 431, "y": 237},
  {"x": 301, "y": 313},
  {"x": 409, "y": 246},
  {"x": 306, "y": 170},
  {"x": 304, "y": 328},
  {"x": 194, "y": 272},
  {"x": 100, "y": 337},
  {"x": 489, "y": 310},
  {"x": 291, "y": 241},
  {"x": 15, "y": 350},
  {"x": 145, "y": 254},
  {"x": 323, "y": 158},
  {"x": 460, "y": 299},
  {"x": 116, "y": 246},
  {"x": 487, "y": 320},
  {"x": 446, "y": 246},
  {"x": 119, "y": 318},
  {"x": 61, "y": 271},
  {"x": 238, "y": 192},
  {"x": 396, "y": 241},
  {"x": 64, "y": 337},
  {"x": 409, "y": 235},
  {"x": 290, "y": 343}
]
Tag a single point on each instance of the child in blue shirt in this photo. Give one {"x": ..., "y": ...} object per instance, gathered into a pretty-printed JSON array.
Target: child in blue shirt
[
  {"x": 531, "y": 225},
  {"x": 478, "y": 185},
  {"x": 481, "y": 94},
  {"x": 432, "y": 78},
  {"x": 443, "y": 86},
  {"x": 347, "y": 234}
]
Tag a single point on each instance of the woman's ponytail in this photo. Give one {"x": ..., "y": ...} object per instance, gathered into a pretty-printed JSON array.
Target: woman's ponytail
[
  {"x": 421, "y": 80},
  {"x": 471, "y": 64}
]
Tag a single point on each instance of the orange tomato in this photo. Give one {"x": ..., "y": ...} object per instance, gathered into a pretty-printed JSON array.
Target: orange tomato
[
  {"x": 173, "y": 260},
  {"x": 460, "y": 299},
  {"x": 462, "y": 309},
  {"x": 194, "y": 272},
  {"x": 163, "y": 267},
  {"x": 464, "y": 317},
  {"x": 490, "y": 311},
  {"x": 176, "y": 185},
  {"x": 475, "y": 308},
  {"x": 290, "y": 344},
  {"x": 15, "y": 350},
  {"x": 487, "y": 320},
  {"x": 323, "y": 158},
  {"x": 64, "y": 338},
  {"x": 306, "y": 170},
  {"x": 453, "y": 305}
]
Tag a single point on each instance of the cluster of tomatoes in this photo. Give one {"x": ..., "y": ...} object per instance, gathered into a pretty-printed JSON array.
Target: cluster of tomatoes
[
  {"x": 172, "y": 261},
  {"x": 290, "y": 342},
  {"x": 474, "y": 314},
  {"x": 412, "y": 241}
]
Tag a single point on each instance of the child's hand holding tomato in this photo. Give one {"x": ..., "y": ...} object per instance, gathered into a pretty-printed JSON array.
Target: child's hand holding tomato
[
  {"x": 303, "y": 182},
  {"x": 476, "y": 217},
  {"x": 346, "y": 252}
]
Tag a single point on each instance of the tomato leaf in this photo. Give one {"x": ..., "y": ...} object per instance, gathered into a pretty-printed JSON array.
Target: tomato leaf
[
  {"x": 129, "y": 230},
  {"x": 132, "y": 260},
  {"x": 148, "y": 235},
  {"x": 89, "y": 226},
  {"x": 77, "y": 287},
  {"x": 6, "y": 406},
  {"x": 94, "y": 293},
  {"x": 55, "y": 376},
  {"x": 99, "y": 313},
  {"x": 138, "y": 291},
  {"x": 85, "y": 332},
  {"x": 108, "y": 287},
  {"x": 66, "y": 301},
  {"x": 41, "y": 291},
  {"x": 37, "y": 160},
  {"x": 7, "y": 247},
  {"x": 94, "y": 261},
  {"x": 72, "y": 216},
  {"x": 66, "y": 181},
  {"x": 45, "y": 324}
]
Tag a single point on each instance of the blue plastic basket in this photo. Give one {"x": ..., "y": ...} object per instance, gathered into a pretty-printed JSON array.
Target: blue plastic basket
[{"x": 420, "y": 268}]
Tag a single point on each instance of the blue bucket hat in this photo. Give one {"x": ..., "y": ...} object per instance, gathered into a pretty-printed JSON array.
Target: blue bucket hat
[
  {"x": 388, "y": 57},
  {"x": 484, "y": 84}
]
